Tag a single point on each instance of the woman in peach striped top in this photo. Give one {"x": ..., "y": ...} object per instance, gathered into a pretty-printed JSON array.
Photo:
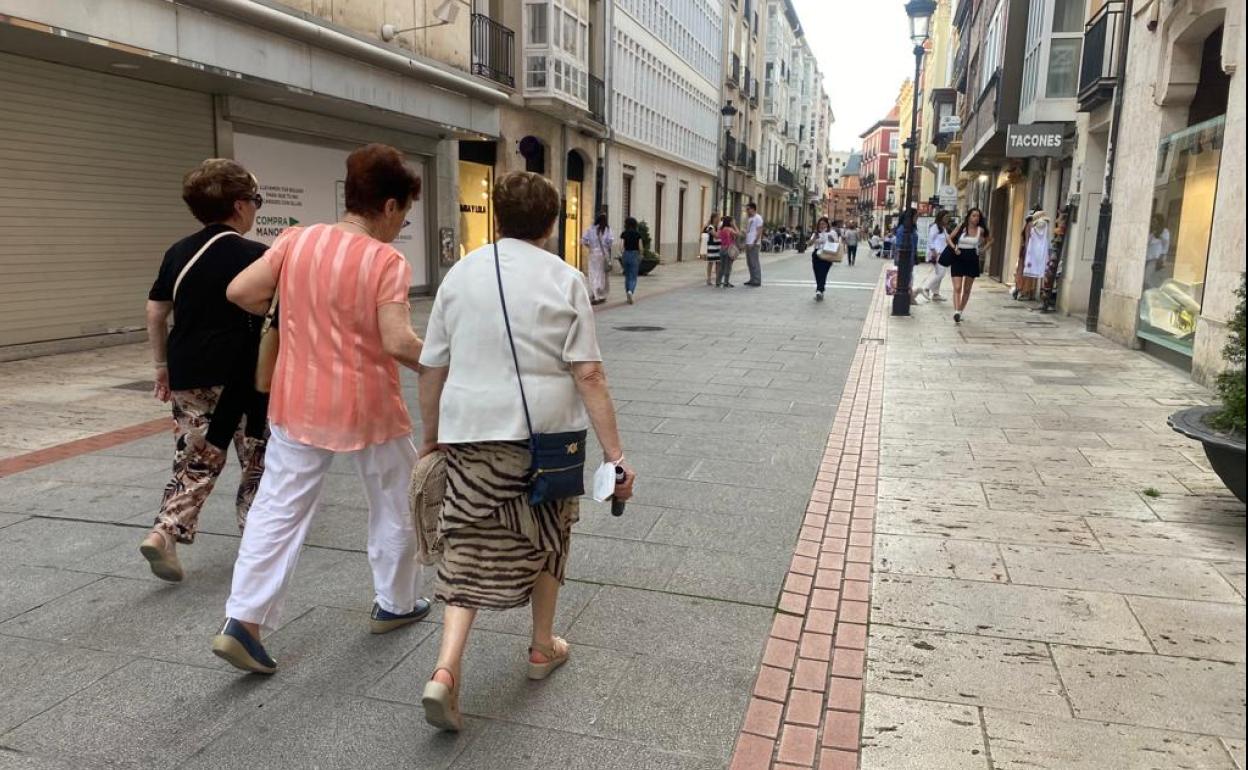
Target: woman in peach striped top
[{"x": 345, "y": 326}]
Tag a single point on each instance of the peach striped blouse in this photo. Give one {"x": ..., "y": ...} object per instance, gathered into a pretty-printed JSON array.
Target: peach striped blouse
[{"x": 334, "y": 386}]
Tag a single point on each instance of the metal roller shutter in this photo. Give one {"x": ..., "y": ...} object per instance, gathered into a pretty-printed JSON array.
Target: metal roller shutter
[{"x": 90, "y": 195}]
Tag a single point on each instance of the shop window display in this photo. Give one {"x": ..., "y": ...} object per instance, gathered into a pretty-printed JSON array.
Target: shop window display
[
  {"x": 1180, "y": 225},
  {"x": 476, "y": 208}
]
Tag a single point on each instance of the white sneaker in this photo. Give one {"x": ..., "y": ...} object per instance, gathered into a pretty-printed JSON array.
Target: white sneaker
[
  {"x": 927, "y": 293},
  {"x": 630, "y": 298},
  {"x": 818, "y": 296},
  {"x": 937, "y": 298}
]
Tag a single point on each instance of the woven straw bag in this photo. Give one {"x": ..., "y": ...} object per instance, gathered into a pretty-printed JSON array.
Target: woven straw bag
[{"x": 425, "y": 495}]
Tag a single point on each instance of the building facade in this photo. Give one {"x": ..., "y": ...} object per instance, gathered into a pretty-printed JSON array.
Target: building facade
[
  {"x": 781, "y": 90},
  {"x": 554, "y": 122},
  {"x": 148, "y": 90},
  {"x": 1176, "y": 243},
  {"x": 744, "y": 37},
  {"x": 666, "y": 63},
  {"x": 881, "y": 147}
]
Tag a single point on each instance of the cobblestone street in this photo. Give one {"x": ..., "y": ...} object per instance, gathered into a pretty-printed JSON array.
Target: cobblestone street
[{"x": 855, "y": 539}]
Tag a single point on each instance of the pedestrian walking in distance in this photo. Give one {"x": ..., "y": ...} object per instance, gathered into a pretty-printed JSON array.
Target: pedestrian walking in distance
[
  {"x": 753, "y": 240},
  {"x": 345, "y": 326},
  {"x": 480, "y": 401},
  {"x": 206, "y": 366},
  {"x": 937, "y": 241},
  {"x": 710, "y": 248},
  {"x": 820, "y": 257},
  {"x": 851, "y": 243},
  {"x": 599, "y": 239},
  {"x": 728, "y": 250},
  {"x": 969, "y": 240},
  {"x": 631, "y": 238}
]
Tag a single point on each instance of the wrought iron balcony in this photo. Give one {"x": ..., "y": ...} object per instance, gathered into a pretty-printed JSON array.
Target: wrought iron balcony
[
  {"x": 752, "y": 164},
  {"x": 785, "y": 176},
  {"x": 734, "y": 74},
  {"x": 597, "y": 100},
  {"x": 1098, "y": 73},
  {"x": 743, "y": 155},
  {"x": 730, "y": 148},
  {"x": 493, "y": 50}
]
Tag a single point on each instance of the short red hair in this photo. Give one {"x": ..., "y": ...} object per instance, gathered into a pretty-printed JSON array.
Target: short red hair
[{"x": 377, "y": 173}]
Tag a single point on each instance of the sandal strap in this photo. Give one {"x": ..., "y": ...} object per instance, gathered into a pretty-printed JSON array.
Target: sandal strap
[
  {"x": 450, "y": 673},
  {"x": 549, "y": 650}
]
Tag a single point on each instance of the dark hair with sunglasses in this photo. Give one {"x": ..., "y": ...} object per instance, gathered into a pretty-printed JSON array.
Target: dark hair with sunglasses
[{"x": 211, "y": 189}]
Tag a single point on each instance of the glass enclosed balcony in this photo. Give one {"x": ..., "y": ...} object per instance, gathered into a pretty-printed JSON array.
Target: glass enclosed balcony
[{"x": 556, "y": 53}]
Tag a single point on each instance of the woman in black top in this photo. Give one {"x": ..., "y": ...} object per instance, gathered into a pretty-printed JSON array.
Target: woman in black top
[
  {"x": 206, "y": 365},
  {"x": 631, "y": 238}
]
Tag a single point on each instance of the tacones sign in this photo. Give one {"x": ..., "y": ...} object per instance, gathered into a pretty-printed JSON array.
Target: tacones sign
[{"x": 1036, "y": 140}]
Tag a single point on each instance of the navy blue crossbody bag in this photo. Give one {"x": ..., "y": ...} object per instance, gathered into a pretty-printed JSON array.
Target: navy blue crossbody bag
[{"x": 557, "y": 467}]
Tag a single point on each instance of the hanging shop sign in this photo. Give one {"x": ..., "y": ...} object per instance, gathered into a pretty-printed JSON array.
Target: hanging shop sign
[
  {"x": 1035, "y": 140},
  {"x": 950, "y": 124}
]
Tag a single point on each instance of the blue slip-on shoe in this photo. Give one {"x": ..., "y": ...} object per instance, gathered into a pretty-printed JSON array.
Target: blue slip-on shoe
[
  {"x": 381, "y": 622},
  {"x": 236, "y": 646}
]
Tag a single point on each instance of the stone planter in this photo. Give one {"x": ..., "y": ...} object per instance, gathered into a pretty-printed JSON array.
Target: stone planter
[{"x": 1225, "y": 451}]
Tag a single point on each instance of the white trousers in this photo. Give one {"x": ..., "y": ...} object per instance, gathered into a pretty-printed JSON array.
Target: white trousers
[
  {"x": 282, "y": 513},
  {"x": 935, "y": 278}
]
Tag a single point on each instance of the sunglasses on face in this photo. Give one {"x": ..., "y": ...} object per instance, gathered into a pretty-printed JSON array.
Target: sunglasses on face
[{"x": 256, "y": 199}]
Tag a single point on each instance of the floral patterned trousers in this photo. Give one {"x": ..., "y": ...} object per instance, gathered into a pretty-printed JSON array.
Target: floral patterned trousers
[{"x": 197, "y": 465}]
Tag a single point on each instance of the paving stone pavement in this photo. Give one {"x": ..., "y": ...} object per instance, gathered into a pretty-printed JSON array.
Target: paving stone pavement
[
  {"x": 1059, "y": 578},
  {"x": 726, "y": 410}
]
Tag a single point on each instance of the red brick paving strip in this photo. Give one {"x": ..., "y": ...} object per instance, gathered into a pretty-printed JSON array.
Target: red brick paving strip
[
  {"x": 81, "y": 446},
  {"x": 806, "y": 709}
]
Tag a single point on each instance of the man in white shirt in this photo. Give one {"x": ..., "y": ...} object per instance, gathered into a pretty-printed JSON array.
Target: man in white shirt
[{"x": 753, "y": 237}]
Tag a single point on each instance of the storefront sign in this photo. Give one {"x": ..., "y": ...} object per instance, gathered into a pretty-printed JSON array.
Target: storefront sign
[
  {"x": 1035, "y": 140},
  {"x": 948, "y": 195},
  {"x": 950, "y": 124},
  {"x": 303, "y": 184}
]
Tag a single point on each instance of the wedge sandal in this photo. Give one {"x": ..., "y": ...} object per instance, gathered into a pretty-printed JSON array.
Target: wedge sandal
[
  {"x": 442, "y": 703},
  {"x": 162, "y": 557},
  {"x": 554, "y": 660}
]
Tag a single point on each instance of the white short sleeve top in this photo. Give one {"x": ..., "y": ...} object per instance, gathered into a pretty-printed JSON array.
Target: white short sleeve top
[{"x": 552, "y": 322}]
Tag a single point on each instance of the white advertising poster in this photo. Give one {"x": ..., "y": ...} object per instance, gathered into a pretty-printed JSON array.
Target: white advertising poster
[{"x": 302, "y": 184}]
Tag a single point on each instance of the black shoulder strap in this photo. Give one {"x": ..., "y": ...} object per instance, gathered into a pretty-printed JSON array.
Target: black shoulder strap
[{"x": 498, "y": 269}]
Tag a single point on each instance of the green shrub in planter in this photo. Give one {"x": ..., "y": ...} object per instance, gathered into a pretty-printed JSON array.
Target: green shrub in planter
[
  {"x": 649, "y": 259},
  {"x": 1231, "y": 381}
]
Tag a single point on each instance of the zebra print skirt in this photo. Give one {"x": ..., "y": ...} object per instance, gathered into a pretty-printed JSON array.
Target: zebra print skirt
[{"x": 495, "y": 545}]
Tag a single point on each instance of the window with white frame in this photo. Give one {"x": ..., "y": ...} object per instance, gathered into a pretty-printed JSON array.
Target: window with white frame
[
  {"x": 556, "y": 51},
  {"x": 655, "y": 105},
  {"x": 691, "y": 28},
  {"x": 990, "y": 49},
  {"x": 1054, "y": 46},
  {"x": 1065, "y": 49}
]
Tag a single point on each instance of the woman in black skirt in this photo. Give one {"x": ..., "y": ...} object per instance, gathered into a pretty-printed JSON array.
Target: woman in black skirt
[{"x": 968, "y": 240}]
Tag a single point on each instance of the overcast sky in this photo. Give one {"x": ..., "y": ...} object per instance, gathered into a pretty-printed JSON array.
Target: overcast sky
[{"x": 863, "y": 47}]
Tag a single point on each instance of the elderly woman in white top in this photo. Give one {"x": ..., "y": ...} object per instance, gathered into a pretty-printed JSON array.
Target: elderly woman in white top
[{"x": 498, "y": 551}]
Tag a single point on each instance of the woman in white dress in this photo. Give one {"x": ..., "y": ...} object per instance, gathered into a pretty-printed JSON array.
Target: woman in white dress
[{"x": 599, "y": 239}]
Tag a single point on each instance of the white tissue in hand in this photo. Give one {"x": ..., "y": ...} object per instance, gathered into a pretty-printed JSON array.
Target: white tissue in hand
[{"x": 604, "y": 482}]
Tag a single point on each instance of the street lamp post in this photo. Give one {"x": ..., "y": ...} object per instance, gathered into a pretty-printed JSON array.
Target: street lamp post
[
  {"x": 920, "y": 13},
  {"x": 727, "y": 113},
  {"x": 803, "y": 194}
]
